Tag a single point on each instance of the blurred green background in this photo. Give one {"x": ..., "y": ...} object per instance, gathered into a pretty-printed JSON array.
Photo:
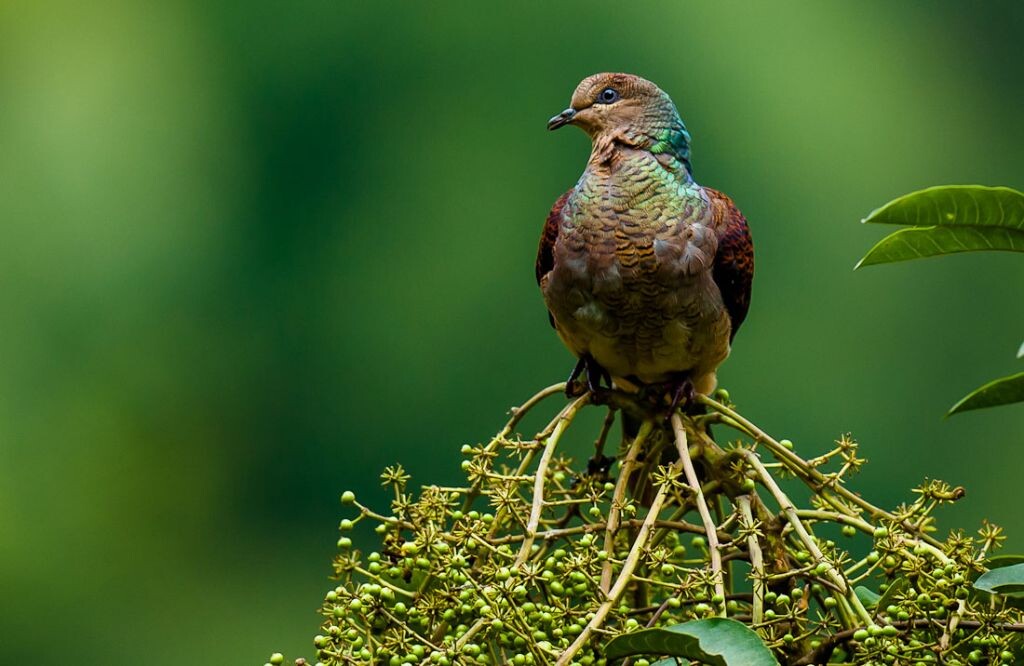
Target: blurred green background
[{"x": 253, "y": 252}]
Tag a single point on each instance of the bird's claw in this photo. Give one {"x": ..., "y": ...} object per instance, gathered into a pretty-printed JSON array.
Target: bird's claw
[
  {"x": 595, "y": 374},
  {"x": 682, "y": 396}
]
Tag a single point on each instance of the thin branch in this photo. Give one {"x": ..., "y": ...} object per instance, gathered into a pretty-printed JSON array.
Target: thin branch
[
  {"x": 618, "y": 497},
  {"x": 808, "y": 473},
  {"x": 624, "y": 579},
  {"x": 702, "y": 509},
  {"x": 541, "y": 474},
  {"x": 834, "y": 572},
  {"x": 756, "y": 559}
]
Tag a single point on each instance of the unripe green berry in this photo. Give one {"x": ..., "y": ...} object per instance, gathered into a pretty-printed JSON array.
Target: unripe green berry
[
  {"x": 348, "y": 497},
  {"x": 277, "y": 659}
]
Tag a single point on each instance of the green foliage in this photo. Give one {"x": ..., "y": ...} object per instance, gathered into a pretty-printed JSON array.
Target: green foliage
[
  {"x": 1007, "y": 580},
  {"x": 868, "y": 597},
  {"x": 536, "y": 559},
  {"x": 950, "y": 219},
  {"x": 716, "y": 641},
  {"x": 947, "y": 220},
  {"x": 1002, "y": 391}
]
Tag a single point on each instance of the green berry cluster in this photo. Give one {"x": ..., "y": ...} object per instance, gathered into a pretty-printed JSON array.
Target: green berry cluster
[{"x": 536, "y": 559}]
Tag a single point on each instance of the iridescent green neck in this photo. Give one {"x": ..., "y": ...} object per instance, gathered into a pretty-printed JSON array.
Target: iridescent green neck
[{"x": 673, "y": 141}]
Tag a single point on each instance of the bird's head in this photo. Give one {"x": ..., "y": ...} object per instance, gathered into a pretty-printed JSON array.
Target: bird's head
[{"x": 623, "y": 108}]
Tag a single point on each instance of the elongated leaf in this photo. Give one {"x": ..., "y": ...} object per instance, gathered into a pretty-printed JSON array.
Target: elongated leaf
[
  {"x": 999, "y": 392},
  {"x": 954, "y": 205},
  {"x": 949, "y": 219},
  {"x": 998, "y": 561},
  {"x": 920, "y": 242},
  {"x": 717, "y": 641},
  {"x": 1020, "y": 352},
  {"x": 1007, "y": 581},
  {"x": 890, "y": 593},
  {"x": 867, "y": 596}
]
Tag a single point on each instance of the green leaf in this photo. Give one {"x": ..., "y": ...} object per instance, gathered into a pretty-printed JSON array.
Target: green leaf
[
  {"x": 894, "y": 588},
  {"x": 867, "y": 597},
  {"x": 997, "y": 561},
  {"x": 1020, "y": 352},
  {"x": 717, "y": 641},
  {"x": 1007, "y": 581},
  {"x": 949, "y": 219},
  {"x": 999, "y": 392},
  {"x": 954, "y": 205}
]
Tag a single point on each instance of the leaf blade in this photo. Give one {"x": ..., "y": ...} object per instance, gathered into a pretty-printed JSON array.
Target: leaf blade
[
  {"x": 956, "y": 205},
  {"x": 1003, "y": 391},
  {"x": 716, "y": 641},
  {"x": 867, "y": 596},
  {"x": 920, "y": 242},
  {"x": 1007, "y": 581}
]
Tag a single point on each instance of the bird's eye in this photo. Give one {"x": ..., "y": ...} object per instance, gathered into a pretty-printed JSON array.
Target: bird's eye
[{"x": 608, "y": 95}]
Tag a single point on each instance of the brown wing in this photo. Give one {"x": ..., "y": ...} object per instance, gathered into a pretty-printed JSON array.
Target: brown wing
[
  {"x": 733, "y": 270},
  {"x": 546, "y": 250}
]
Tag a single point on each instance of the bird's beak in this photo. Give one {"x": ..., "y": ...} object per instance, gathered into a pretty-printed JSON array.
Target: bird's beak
[{"x": 564, "y": 118}]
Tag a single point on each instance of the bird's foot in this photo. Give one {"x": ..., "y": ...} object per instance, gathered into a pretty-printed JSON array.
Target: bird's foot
[
  {"x": 682, "y": 392},
  {"x": 573, "y": 388},
  {"x": 595, "y": 374}
]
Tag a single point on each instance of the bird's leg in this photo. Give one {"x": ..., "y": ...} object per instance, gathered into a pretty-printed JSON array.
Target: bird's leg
[
  {"x": 571, "y": 388},
  {"x": 682, "y": 394},
  {"x": 595, "y": 373}
]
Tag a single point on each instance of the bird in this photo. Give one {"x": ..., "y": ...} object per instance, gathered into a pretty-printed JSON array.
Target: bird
[{"x": 645, "y": 273}]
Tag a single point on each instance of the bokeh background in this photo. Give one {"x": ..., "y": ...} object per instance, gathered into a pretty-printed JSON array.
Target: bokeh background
[{"x": 253, "y": 252}]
